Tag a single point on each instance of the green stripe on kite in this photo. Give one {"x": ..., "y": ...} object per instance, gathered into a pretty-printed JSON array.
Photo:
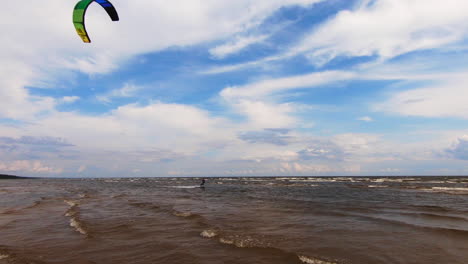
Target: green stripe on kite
[{"x": 79, "y": 16}]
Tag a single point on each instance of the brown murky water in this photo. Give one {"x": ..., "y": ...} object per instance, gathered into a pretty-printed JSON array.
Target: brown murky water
[{"x": 235, "y": 220}]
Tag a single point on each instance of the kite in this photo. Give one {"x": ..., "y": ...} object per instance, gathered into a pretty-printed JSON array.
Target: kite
[{"x": 79, "y": 16}]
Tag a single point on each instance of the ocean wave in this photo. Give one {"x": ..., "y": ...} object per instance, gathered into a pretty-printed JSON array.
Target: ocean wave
[
  {"x": 112, "y": 181},
  {"x": 71, "y": 203},
  {"x": 145, "y": 205},
  {"x": 377, "y": 186},
  {"x": 318, "y": 180},
  {"x": 244, "y": 241},
  {"x": 311, "y": 260},
  {"x": 432, "y": 208},
  {"x": 75, "y": 222},
  {"x": 8, "y": 211},
  {"x": 15, "y": 210},
  {"x": 78, "y": 226},
  {"x": 446, "y": 190},
  {"x": 443, "y": 217},
  {"x": 83, "y": 195},
  {"x": 182, "y": 214},
  {"x": 4, "y": 256},
  {"x": 449, "y": 229},
  {"x": 209, "y": 233},
  {"x": 185, "y": 187},
  {"x": 450, "y": 189}
]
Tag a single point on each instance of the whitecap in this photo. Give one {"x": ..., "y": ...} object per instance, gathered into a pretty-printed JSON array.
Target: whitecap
[
  {"x": 186, "y": 187},
  {"x": 182, "y": 214},
  {"x": 450, "y": 189},
  {"x": 71, "y": 203},
  {"x": 77, "y": 225},
  {"x": 209, "y": 233},
  {"x": 226, "y": 241},
  {"x": 310, "y": 260},
  {"x": 4, "y": 256}
]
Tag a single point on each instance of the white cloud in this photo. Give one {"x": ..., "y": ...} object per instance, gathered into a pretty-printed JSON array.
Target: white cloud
[
  {"x": 387, "y": 28},
  {"x": 33, "y": 50},
  {"x": 295, "y": 167},
  {"x": 138, "y": 136},
  {"x": 366, "y": 119},
  {"x": 69, "y": 99},
  {"x": 82, "y": 168},
  {"x": 459, "y": 150},
  {"x": 26, "y": 166},
  {"x": 440, "y": 99},
  {"x": 276, "y": 85},
  {"x": 128, "y": 90},
  {"x": 266, "y": 115},
  {"x": 236, "y": 45}
]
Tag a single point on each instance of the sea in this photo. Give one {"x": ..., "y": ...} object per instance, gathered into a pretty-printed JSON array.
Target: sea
[{"x": 311, "y": 220}]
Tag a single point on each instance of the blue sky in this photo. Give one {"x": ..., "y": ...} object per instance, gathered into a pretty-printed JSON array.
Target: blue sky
[{"x": 234, "y": 88}]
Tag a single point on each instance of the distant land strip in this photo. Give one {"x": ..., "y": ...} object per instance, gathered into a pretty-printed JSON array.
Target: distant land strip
[{"x": 11, "y": 177}]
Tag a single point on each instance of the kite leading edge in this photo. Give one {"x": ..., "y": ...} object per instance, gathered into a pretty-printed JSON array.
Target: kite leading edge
[{"x": 79, "y": 16}]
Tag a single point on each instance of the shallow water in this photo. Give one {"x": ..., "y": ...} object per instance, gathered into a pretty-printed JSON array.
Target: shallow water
[{"x": 235, "y": 220}]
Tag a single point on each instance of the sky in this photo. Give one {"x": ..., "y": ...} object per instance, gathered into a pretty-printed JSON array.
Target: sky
[{"x": 235, "y": 88}]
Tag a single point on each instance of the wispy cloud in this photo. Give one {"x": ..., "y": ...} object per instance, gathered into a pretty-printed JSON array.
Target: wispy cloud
[
  {"x": 26, "y": 166},
  {"x": 128, "y": 90},
  {"x": 69, "y": 99},
  {"x": 28, "y": 140},
  {"x": 366, "y": 119},
  {"x": 441, "y": 99},
  {"x": 236, "y": 45},
  {"x": 267, "y": 87},
  {"x": 387, "y": 28},
  {"x": 267, "y": 136}
]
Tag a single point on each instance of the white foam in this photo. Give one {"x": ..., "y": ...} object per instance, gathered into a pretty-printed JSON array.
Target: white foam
[
  {"x": 4, "y": 256},
  {"x": 209, "y": 233},
  {"x": 70, "y": 213},
  {"x": 71, "y": 203},
  {"x": 181, "y": 214},
  {"x": 450, "y": 189},
  {"x": 243, "y": 242},
  {"x": 76, "y": 224},
  {"x": 186, "y": 187},
  {"x": 310, "y": 260},
  {"x": 378, "y": 180},
  {"x": 377, "y": 186},
  {"x": 226, "y": 241},
  {"x": 110, "y": 181}
]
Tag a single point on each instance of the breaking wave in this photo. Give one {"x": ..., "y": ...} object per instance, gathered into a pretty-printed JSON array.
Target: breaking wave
[
  {"x": 186, "y": 187},
  {"x": 252, "y": 242},
  {"x": 182, "y": 214},
  {"x": 209, "y": 233},
  {"x": 311, "y": 260},
  {"x": 74, "y": 213}
]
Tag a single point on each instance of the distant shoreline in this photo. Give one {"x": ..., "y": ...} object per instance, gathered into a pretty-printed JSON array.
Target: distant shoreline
[{"x": 12, "y": 177}]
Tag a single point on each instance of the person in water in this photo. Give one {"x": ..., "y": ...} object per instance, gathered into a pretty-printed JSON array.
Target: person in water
[{"x": 202, "y": 184}]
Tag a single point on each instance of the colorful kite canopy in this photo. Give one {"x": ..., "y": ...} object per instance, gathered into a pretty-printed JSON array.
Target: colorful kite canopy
[{"x": 80, "y": 11}]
